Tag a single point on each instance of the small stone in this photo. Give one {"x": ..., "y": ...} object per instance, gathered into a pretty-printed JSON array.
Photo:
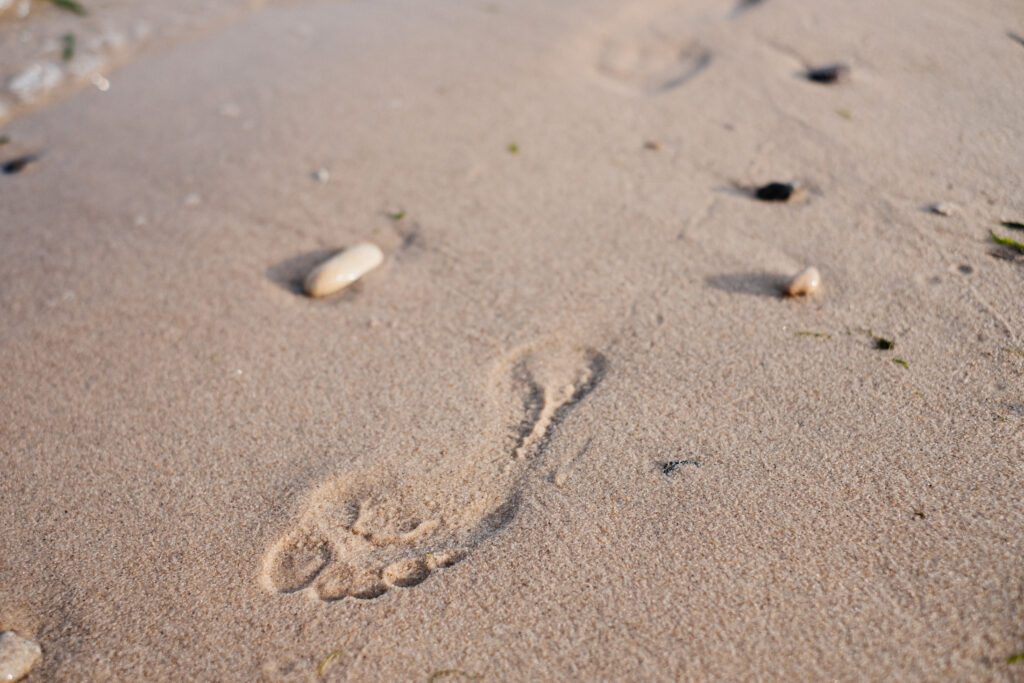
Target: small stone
[
  {"x": 322, "y": 175},
  {"x": 805, "y": 282},
  {"x": 341, "y": 270},
  {"x": 101, "y": 82},
  {"x": 833, "y": 73},
  {"x": 945, "y": 208},
  {"x": 17, "y": 656},
  {"x": 776, "y": 192},
  {"x": 652, "y": 145}
]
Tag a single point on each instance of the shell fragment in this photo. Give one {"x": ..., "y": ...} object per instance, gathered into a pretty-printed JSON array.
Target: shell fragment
[{"x": 342, "y": 269}]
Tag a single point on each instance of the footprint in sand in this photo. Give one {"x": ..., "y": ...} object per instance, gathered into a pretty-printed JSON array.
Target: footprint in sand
[
  {"x": 651, "y": 68},
  {"x": 361, "y": 534},
  {"x": 651, "y": 60}
]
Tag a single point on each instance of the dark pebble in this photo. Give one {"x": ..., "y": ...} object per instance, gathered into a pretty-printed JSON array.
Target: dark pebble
[
  {"x": 17, "y": 165},
  {"x": 775, "y": 192},
  {"x": 834, "y": 73}
]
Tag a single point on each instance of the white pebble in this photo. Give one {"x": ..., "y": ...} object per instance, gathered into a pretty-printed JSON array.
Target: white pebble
[
  {"x": 341, "y": 270},
  {"x": 322, "y": 175},
  {"x": 805, "y": 282},
  {"x": 945, "y": 208},
  {"x": 101, "y": 82},
  {"x": 192, "y": 200},
  {"x": 17, "y": 656}
]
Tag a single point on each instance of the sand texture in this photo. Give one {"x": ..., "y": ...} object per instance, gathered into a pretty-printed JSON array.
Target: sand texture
[{"x": 570, "y": 429}]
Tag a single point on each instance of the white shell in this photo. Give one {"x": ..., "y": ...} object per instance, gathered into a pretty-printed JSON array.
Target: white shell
[
  {"x": 806, "y": 281},
  {"x": 341, "y": 270},
  {"x": 17, "y": 656}
]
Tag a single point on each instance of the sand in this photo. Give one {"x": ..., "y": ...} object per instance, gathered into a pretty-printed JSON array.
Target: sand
[{"x": 459, "y": 463}]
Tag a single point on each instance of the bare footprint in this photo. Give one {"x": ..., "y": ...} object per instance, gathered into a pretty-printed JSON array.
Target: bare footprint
[
  {"x": 362, "y": 534},
  {"x": 651, "y": 64}
]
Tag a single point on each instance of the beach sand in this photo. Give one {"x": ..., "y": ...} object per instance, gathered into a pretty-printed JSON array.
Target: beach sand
[{"x": 569, "y": 429}]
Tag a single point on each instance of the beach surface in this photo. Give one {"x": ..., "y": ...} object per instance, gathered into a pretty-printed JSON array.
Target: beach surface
[{"x": 570, "y": 428}]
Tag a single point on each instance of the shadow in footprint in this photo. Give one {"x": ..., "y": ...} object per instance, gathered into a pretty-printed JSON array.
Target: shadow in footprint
[
  {"x": 688, "y": 70},
  {"x": 758, "y": 284},
  {"x": 290, "y": 273},
  {"x": 500, "y": 518},
  {"x": 744, "y": 5}
]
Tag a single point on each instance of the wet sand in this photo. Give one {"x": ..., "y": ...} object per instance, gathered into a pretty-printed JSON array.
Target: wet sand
[{"x": 570, "y": 429}]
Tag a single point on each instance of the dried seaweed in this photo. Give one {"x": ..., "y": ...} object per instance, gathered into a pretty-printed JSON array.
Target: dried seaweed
[{"x": 328, "y": 660}]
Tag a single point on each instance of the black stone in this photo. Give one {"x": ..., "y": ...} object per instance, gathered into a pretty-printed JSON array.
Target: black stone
[
  {"x": 17, "y": 165},
  {"x": 775, "y": 192},
  {"x": 832, "y": 73}
]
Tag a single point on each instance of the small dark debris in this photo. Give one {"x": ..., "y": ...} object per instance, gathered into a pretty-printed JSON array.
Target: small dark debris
[
  {"x": 883, "y": 344},
  {"x": 4, "y": 139},
  {"x": 1012, "y": 225},
  {"x": 1013, "y": 36},
  {"x": 833, "y": 73},
  {"x": 919, "y": 514},
  {"x": 652, "y": 145},
  {"x": 775, "y": 192},
  {"x": 71, "y": 6},
  {"x": 18, "y": 165},
  {"x": 68, "y": 51},
  {"x": 412, "y": 238},
  {"x": 965, "y": 269},
  {"x": 672, "y": 465}
]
